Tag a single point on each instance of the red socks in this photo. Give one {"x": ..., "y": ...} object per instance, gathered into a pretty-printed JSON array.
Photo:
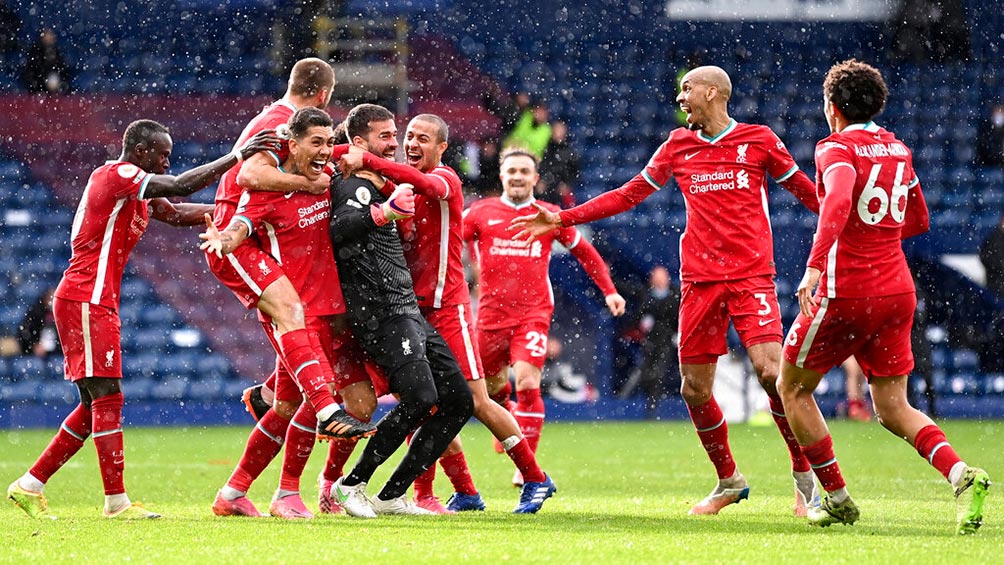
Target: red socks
[
  {"x": 64, "y": 445},
  {"x": 714, "y": 434},
  {"x": 263, "y": 445},
  {"x": 824, "y": 464},
  {"x": 106, "y": 423},
  {"x": 529, "y": 415},
  {"x": 302, "y": 362},
  {"x": 932, "y": 445},
  {"x": 526, "y": 462},
  {"x": 798, "y": 461},
  {"x": 300, "y": 437},
  {"x": 423, "y": 483},
  {"x": 455, "y": 467}
]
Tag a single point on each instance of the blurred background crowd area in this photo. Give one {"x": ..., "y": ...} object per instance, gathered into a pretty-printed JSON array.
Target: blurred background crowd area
[{"x": 589, "y": 89}]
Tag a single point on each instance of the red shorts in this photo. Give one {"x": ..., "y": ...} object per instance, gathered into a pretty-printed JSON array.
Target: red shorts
[
  {"x": 90, "y": 336},
  {"x": 875, "y": 330},
  {"x": 707, "y": 307},
  {"x": 502, "y": 347},
  {"x": 454, "y": 323},
  {"x": 246, "y": 272}
]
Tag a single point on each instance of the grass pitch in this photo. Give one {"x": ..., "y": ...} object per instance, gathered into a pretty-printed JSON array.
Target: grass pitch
[{"x": 623, "y": 494}]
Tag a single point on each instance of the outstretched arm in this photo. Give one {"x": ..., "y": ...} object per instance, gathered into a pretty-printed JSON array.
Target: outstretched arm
[
  {"x": 261, "y": 172},
  {"x": 426, "y": 184},
  {"x": 183, "y": 214},
  {"x": 213, "y": 241},
  {"x": 800, "y": 185},
  {"x": 597, "y": 270},
  {"x": 191, "y": 181}
]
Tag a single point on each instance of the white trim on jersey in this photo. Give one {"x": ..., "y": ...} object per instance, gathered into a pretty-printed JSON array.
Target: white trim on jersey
[
  {"x": 765, "y": 203},
  {"x": 106, "y": 247},
  {"x": 787, "y": 175},
  {"x": 243, "y": 274},
  {"x": 810, "y": 335},
  {"x": 831, "y": 271},
  {"x": 445, "y": 183},
  {"x": 465, "y": 331},
  {"x": 142, "y": 186},
  {"x": 444, "y": 251},
  {"x": 273, "y": 242},
  {"x": 85, "y": 324},
  {"x": 578, "y": 238},
  {"x": 650, "y": 180}
]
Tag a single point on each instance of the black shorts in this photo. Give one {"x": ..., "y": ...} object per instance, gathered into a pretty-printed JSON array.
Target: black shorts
[{"x": 402, "y": 339}]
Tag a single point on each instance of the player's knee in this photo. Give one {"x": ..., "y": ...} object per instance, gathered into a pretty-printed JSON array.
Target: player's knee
[
  {"x": 694, "y": 393},
  {"x": 413, "y": 382},
  {"x": 285, "y": 409}
]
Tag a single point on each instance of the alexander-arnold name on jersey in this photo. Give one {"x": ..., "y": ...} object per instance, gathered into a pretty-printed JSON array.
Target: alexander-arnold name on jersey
[
  {"x": 507, "y": 247},
  {"x": 894, "y": 149}
]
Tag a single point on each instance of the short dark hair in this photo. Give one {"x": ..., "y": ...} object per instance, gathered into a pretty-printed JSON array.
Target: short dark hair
[
  {"x": 306, "y": 118},
  {"x": 443, "y": 130},
  {"x": 359, "y": 118},
  {"x": 518, "y": 152},
  {"x": 341, "y": 136},
  {"x": 857, "y": 89},
  {"x": 310, "y": 76},
  {"x": 141, "y": 131}
]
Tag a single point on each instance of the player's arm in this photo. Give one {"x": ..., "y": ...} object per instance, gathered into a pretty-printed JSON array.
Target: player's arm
[
  {"x": 352, "y": 219},
  {"x": 178, "y": 214},
  {"x": 224, "y": 243},
  {"x": 261, "y": 172},
  {"x": 191, "y": 181},
  {"x": 918, "y": 218},
  {"x": 838, "y": 181},
  {"x": 802, "y": 187},
  {"x": 430, "y": 185},
  {"x": 595, "y": 267}
]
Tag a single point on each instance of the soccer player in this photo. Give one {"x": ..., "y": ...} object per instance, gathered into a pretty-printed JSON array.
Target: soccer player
[
  {"x": 253, "y": 274},
  {"x": 516, "y": 301},
  {"x": 113, "y": 213},
  {"x": 870, "y": 200},
  {"x": 726, "y": 260},
  {"x": 434, "y": 242},
  {"x": 295, "y": 227},
  {"x": 386, "y": 319}
]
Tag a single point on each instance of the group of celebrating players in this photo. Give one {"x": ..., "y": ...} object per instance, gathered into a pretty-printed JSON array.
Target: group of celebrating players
[{"x": 358, "y": 281}]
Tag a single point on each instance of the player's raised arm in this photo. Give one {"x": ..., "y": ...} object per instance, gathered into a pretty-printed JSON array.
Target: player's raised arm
[
  {"x": 223, "y": 243},
  {"x": 261, "y": 172},
  {"x": 191, "y": 181},
  {"x": 533, "y": 225}
]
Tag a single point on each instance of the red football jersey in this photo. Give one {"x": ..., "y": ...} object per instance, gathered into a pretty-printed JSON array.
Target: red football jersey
[
  {"x": 111, "y": 217},
  {"x": 228, "y": 192},
  {"x": 514, "y": 274},
  {"x": 858, "y": 243},
  {"x": 724, "y": 184},
  {"x": 433, "y": 245},
  {"x": 293, "y": 228}
]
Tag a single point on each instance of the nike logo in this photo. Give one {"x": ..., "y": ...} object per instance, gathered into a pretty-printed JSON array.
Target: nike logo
[
  {"x": 765, "y": 322},
  {"x": 690, "y": 156},
  {"x": 495, "y": 222},
  {"x": 288, "y": 195}
]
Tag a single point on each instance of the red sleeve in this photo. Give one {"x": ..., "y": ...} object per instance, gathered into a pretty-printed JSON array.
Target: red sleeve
[
  {"x": 589, "y": 258},
  {"x": 918, "y": 219},
  {"x": 656, "y": 175},
  {"x": 838, "y": 182},
  {"x": 431, "y": 184},
  {"x": 804, "y": 189},
  {"x": 470, "y": 226}
]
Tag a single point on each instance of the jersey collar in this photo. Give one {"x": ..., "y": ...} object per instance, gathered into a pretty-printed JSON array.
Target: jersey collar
[
  {"x": 505, "y": 200},
  {"x": 867, "y": 126},
  {"x": 728, "y": 129},
  {"x": 286, "y": 102}
]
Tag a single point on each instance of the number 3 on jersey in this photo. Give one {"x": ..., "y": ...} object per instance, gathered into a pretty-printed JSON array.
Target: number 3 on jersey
[
  {"x": 894, "y": 204},
  {"x": 536, "y": 344}
]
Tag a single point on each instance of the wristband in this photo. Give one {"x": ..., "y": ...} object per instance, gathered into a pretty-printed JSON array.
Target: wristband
[{"x": 237, "y": 155}]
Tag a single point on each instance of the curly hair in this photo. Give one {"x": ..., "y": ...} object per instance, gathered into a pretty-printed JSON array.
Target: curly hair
[{"x": 857, "y": 89}]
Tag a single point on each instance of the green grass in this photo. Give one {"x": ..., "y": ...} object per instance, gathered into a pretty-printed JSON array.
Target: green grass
[{"x": 624, "y": 492}]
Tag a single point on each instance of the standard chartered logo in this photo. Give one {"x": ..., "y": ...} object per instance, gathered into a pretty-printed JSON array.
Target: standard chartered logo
[{"x": 743, "y": 179}]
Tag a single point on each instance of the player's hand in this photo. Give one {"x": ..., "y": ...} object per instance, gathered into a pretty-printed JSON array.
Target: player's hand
[
  {"x": 805, "y": 290},
  {"x": 616, "y": 304},
  {"x": 212, "y": 242},
  {"x": 351, "y": 161},
  {"x": 265, "y": 140},
  {"x": 319, "y": 185},
  {"x": 401, "y": 203},
  {"x": 536, "y": 224}
]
